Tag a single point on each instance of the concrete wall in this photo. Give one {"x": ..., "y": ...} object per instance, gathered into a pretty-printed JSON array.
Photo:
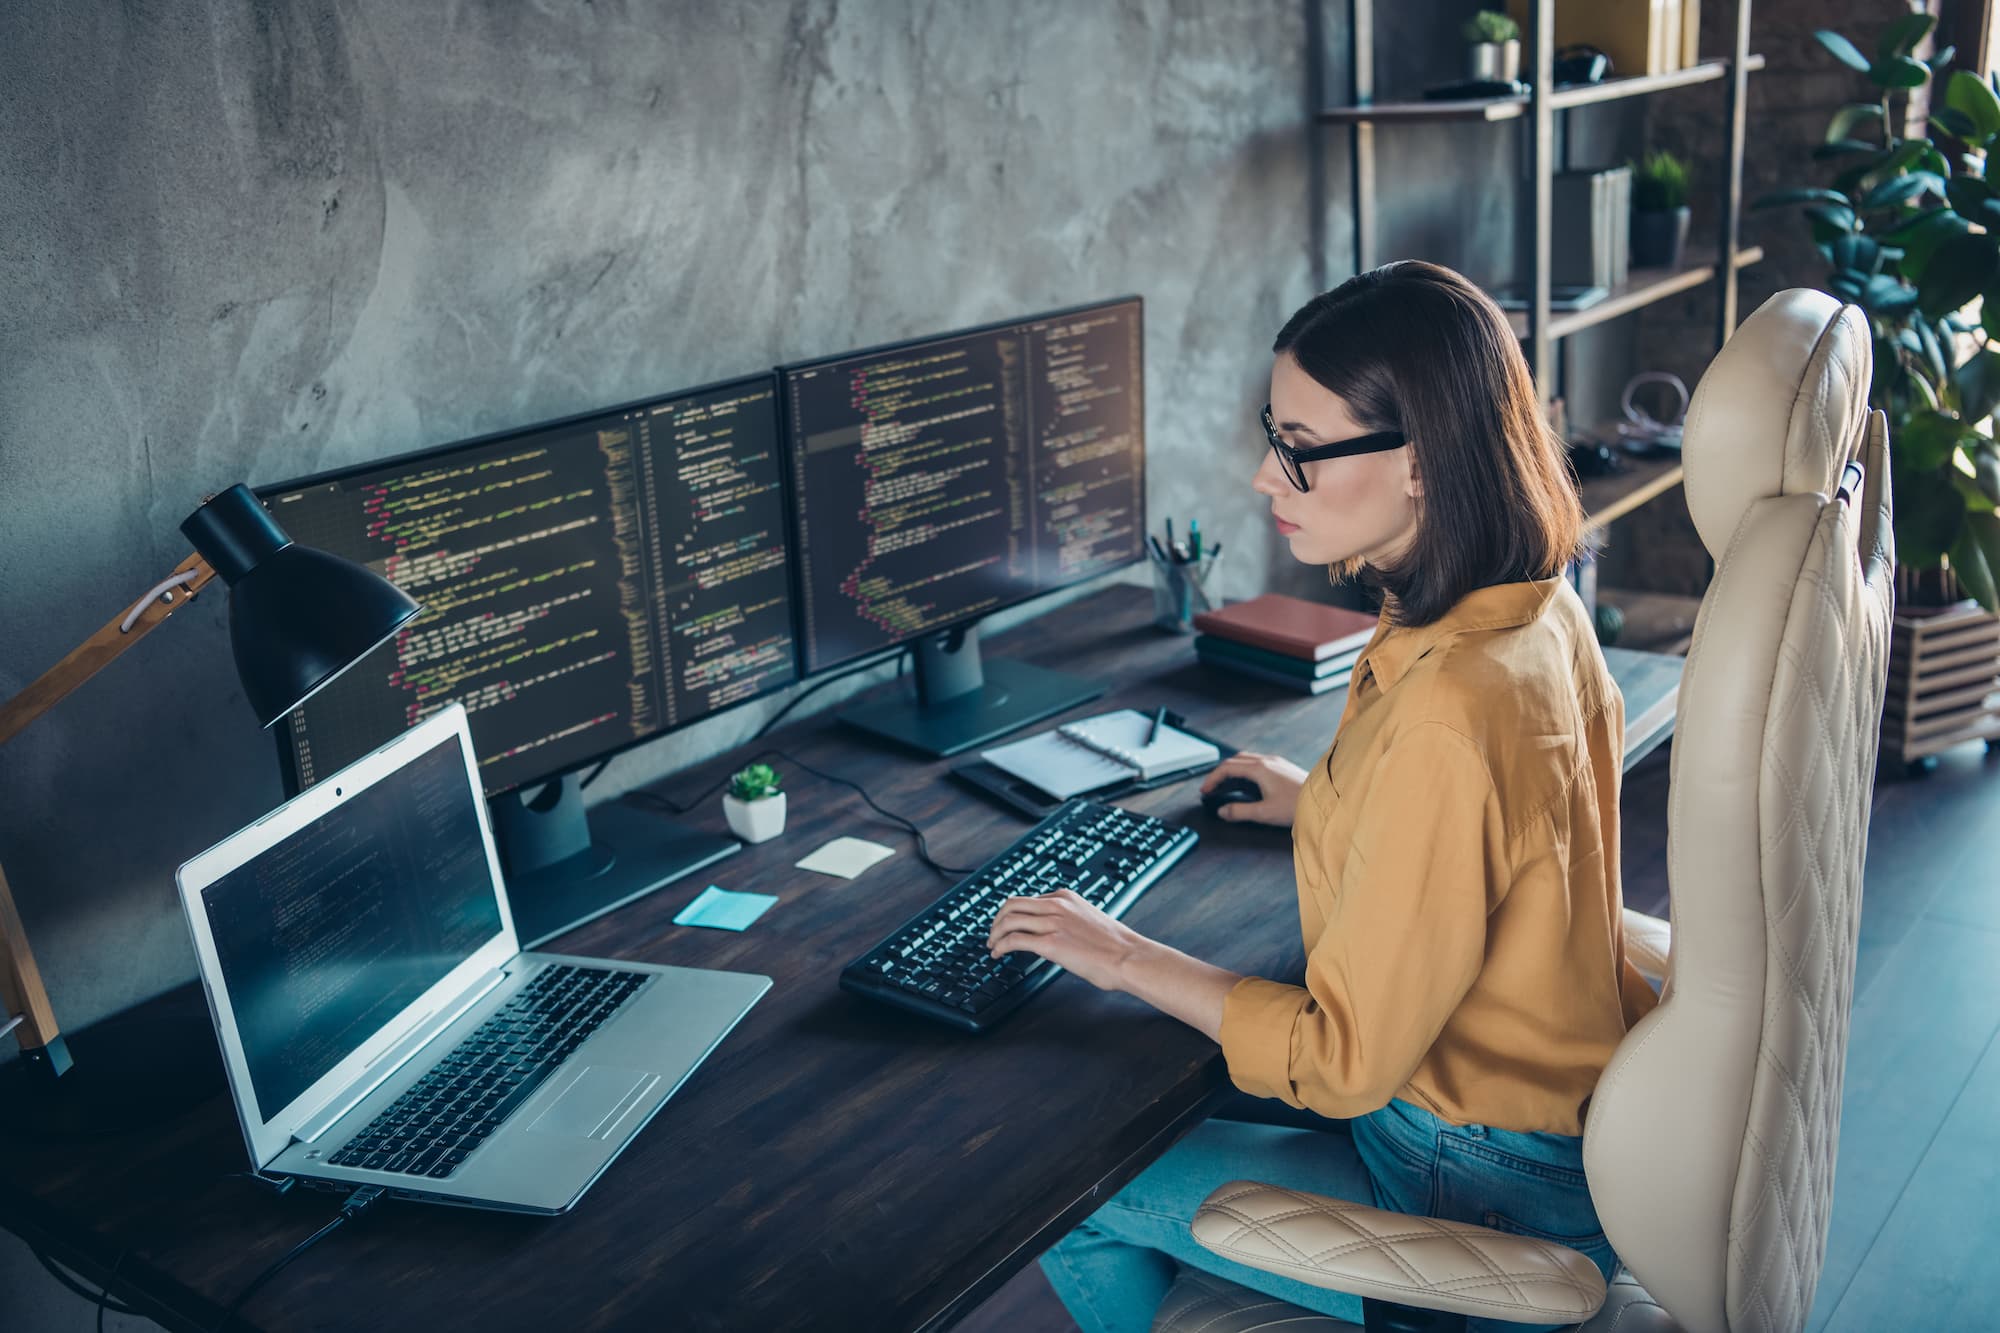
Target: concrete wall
[{"x": 255, "y": 241}]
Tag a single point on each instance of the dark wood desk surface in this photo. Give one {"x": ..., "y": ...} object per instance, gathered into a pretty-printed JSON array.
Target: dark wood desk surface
[{"x": 834, "y": 1164}]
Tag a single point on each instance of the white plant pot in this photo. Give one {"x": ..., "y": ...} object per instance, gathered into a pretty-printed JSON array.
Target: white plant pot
[{"x": 755, "y": 821}]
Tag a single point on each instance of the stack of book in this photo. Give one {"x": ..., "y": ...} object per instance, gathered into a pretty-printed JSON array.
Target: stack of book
[{"x": 1285, "y": 640}]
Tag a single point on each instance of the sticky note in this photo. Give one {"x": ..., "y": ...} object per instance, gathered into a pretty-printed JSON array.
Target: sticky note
[
  {"x": 725, "y": 910},
  {"x": 846, "y": 857}
]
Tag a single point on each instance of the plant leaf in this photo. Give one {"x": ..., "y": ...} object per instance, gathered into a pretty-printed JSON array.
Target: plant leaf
[
  {"x": 1959, "y": 270},
  {"x": 1833, "y": 148},
  {"x": 1920, "y": 237},
  {"x": 1847, "y": 285},
  {"x": 1780, "y": 198},
  {"x": 1967, "y": 193},
  {"x": 1977, "y": 380},
  {"x": 1843, "y": 50},
  {"x": 1830, "y": 221},
  {"x": 1933, "y": 351},
  {"x": 1974, "y": 565},
  {"x": 1986, "y": 469},
  {"x": 1971, "y": 96},
  {"x": 1954, "y": 123},
  {"x": 1939, "y": 59},
  {"x": 1849, "y": 116},
  {"x": 1902, "y": 34},
  {"x": 1887, "y": 297},
  {"x": 1899, "y": 189},
  {"x": 1926, "y": 441},
  {"x": 1929, "y": 512},
  {"x": 1900, "y": 72}
]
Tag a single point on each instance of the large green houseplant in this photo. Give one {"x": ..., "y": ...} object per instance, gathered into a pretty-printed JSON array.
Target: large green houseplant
[{"x": 1910, "y": 229}]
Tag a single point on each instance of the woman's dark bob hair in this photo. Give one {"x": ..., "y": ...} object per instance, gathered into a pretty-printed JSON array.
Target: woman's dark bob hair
[{"x": 1415, "y": 348}]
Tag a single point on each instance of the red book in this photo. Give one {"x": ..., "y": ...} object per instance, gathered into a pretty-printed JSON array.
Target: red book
[{"x": 1289, "y": 625}]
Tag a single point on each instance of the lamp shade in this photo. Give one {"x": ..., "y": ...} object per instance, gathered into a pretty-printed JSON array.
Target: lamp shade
[{"x": 297, "y": 617}]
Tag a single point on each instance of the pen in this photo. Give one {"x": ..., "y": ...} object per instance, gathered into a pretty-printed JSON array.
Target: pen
[
  {"x": 1159, "y": 716},
  {"x": 1194, "y": 539},
  {"x": 1158, "y": 549},
  {"x": 1170, "y": 534}
]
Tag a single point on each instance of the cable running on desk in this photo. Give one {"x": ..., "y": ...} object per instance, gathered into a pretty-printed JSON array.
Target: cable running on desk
[{"x": 657, "y": 801}]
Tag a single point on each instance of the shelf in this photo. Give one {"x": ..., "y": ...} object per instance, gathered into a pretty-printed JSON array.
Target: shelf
[
  {"x": 1642, "y": 288},
  {"x": 1513, "y": 108},
  {"x": 1613, "y": 497},
  {"x": 1655, "y": 622}
]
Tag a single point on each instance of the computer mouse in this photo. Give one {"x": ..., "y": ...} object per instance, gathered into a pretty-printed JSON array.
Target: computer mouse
[{"x": 1229, "y": 791}]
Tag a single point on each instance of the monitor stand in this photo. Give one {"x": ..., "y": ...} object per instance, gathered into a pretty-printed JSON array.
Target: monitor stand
[
  {"x": 960, "y": 704},
  {"x": 566, "y": 866}
]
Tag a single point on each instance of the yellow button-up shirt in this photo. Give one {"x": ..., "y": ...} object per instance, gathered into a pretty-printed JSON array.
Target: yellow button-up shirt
[{"x": 1457, "y": 858}]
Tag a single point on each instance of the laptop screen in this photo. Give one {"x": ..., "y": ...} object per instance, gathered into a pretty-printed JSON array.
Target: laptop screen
[{"x": 329, "y": 934}]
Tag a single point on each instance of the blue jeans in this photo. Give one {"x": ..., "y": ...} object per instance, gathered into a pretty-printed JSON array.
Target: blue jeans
[{"x": 1114, "y": 1269}]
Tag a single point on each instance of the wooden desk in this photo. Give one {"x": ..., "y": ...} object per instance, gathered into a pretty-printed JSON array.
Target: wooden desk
[{"x": 835, "y": 1164}]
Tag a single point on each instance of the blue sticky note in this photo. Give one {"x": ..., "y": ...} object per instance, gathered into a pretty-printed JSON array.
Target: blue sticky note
[{"x": 724, "y": 910}]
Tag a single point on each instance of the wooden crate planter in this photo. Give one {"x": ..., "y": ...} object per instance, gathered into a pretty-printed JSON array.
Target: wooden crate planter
[{"x": 1944, "y": 682}]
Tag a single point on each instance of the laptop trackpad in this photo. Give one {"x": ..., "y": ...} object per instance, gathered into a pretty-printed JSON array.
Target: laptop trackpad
[{"x": 595, "y": 1102}]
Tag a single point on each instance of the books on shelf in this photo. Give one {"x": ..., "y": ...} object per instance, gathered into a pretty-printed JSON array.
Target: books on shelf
[
  {"x": 1640, "y": 36},
  {"x": 1590, "y": 222}
]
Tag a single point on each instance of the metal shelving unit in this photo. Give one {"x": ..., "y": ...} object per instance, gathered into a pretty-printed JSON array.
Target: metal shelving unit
[{"x": 1658, "y": 620}]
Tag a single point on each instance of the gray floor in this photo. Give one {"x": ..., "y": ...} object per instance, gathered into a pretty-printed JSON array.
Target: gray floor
[{"x": 1916, "y": 1207}]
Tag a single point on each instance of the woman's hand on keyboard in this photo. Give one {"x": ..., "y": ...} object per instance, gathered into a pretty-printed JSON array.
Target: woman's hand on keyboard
[
  {"x": 1071, "y": 933},
  {"x": 1278, "y": 778}
]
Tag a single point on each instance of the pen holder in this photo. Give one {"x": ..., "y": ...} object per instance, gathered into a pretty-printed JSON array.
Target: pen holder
[{"x": 1181, "y": 591}]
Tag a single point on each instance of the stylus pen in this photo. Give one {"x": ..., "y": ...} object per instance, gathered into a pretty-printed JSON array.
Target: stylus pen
[{"x": 1159, "y": 716}]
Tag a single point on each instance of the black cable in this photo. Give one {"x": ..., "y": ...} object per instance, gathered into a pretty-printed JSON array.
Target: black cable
[
  {"x": 75, "y": 1284},
  {"x": 923, "y": 846},
  {"x": 356, "y": 1204},
  {"x": 596, "y": 772},
  {"x": 822, "y": 683}
]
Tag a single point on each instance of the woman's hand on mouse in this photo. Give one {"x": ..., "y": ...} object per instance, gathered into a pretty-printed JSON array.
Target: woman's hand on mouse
[{"x": 1278, "y": 778}]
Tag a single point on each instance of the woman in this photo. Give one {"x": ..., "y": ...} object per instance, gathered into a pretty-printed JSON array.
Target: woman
[{"x": 1456, "y": 848}]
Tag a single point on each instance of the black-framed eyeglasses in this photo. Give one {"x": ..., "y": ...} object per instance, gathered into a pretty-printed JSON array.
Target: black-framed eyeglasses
[{"x": 1293, "y": 461}]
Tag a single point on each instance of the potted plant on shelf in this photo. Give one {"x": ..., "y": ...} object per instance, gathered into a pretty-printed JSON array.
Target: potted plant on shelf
[
  {"x": 1494, "y": 53},
  {"x": 1910, "y": 231},
  {"x": 753, "y": 805},
  {"x": 1659, "y": 211}
]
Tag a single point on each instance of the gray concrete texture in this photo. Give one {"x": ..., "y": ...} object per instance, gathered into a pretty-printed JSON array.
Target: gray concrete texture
[{"x": 249, "y": 242}]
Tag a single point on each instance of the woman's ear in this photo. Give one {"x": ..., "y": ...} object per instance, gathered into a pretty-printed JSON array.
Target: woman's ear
[{"x": 1413, "y": 485}]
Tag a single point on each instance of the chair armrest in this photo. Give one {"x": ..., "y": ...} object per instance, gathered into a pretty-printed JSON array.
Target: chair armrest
[
  {"x": 1647, "y": 941},
  {"x": 1421, "y": 1261}
]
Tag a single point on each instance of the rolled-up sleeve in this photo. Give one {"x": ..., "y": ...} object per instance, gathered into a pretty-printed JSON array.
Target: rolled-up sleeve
[{"x": 1404, "y": 940}]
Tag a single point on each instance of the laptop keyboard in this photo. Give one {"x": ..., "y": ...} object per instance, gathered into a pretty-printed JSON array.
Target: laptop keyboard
[{"x": 430, "y": 1129}]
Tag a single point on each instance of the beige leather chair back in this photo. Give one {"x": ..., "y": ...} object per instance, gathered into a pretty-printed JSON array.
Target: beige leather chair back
[{"x": 1710, "y": 1140}]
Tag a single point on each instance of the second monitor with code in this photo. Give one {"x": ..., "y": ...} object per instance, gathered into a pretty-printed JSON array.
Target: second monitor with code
[{"x": 940, "y": 480}]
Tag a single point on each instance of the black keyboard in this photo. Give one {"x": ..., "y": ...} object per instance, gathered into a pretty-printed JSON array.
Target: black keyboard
[
  {"x": 936, "y": 962},
  {"x": 430, "y": 1129}
]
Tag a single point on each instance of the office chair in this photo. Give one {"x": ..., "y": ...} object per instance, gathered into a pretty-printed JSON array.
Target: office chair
[{"x": 1710, "y": 1140}]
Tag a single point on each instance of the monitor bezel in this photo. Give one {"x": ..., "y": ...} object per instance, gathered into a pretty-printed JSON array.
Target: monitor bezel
[
  {"x": 281, "y": 730},
  {"x": 795, "y": 483}
]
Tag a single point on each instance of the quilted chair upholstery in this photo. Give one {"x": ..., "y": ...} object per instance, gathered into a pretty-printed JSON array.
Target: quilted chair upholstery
[{"x": 1712, "y": 1134}]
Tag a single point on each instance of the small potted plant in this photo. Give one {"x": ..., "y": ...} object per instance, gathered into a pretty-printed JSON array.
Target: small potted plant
[
  {"x": 1659, "y": 211},
  {"x": 1495, "y": 46},
  {"x": 753, "y": 805}
]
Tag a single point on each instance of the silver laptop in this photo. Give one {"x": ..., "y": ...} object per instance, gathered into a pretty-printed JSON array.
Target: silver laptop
[{"x": 378, "y": 1021}]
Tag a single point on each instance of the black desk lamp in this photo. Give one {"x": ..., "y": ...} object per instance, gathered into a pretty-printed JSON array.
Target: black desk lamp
[{"x": 297, "y": 619}]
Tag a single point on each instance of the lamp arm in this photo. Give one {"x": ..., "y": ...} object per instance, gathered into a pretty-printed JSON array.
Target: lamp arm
[
  {"x": 24, "y": 1001},
  {"x": 100, "y": 649}
]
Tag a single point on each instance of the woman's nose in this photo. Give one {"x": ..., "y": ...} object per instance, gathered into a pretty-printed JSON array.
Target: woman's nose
[{"x": 1269, "y": 479}]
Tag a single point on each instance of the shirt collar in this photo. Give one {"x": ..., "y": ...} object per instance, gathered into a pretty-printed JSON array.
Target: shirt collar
[{"x": 1394, "y": 649}]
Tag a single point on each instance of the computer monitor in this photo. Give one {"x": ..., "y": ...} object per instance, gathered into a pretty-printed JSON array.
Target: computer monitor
[
  {"x": 940, "y": 480},
  {"x": 588, "y": 584}
]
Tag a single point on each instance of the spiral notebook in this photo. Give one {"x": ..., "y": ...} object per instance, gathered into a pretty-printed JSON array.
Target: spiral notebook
[{"x": 1100, "y": 752}]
